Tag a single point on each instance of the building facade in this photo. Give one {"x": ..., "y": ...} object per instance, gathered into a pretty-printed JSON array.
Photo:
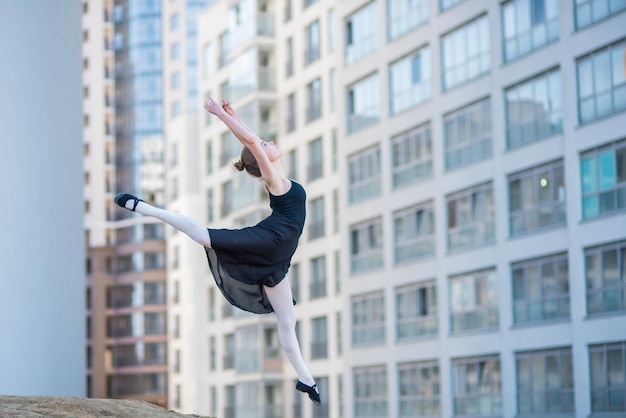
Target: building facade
[
  {"x": 466, "y": 234},
  {"x": 124, "y": 151}
]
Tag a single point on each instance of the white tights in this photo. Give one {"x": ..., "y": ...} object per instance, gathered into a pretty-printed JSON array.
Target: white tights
[{"x": 279, "y": 296}]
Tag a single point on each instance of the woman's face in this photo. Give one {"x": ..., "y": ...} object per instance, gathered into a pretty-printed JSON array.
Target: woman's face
[{"x": 271, "y": 149}]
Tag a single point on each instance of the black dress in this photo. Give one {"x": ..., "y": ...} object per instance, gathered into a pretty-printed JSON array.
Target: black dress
[{"x": 244, "y": 260}]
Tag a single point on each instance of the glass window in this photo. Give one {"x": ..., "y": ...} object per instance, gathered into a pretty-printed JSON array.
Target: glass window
[
  {"x": 366, "y": 246},
  {"x": 175, "y": 51},
  {"x": 603, "y": 180},
  {"x": 289, "y": 52},
  {"x": 363, "y": 104},
  {"x": 591, "y": 11},
  {"x": 361, "y": 30},
  {"x": 605, "y": 275},
  {"x": 370, "y": 391},
  {"x": 312, "y": 51},
  {"x": 528, "y": 25},
  {"x": 467, "y": 134},
  {"x": 207, "y": 61},
  {"x": 175, "y": 80},
  {"x": 319, "y": 338},
  {"x": 364, "y": 175},
  {"x": 474, "y": 301},
  {"x": 534, "y": 109},
  {"x": 537, "y": 198},
  {"x": 608, "y": 381},
  {"x": 412, "y": 156},
  {"x": 318, "y": 278},
  {"x": 471, "y": 217},
  {"x": 314, "y": 99},
  {"x": 405, "y": 15},
  {"x": 291, "y": 112},
  {"x": 545, "y": 382},
  {"x": 446, "y": 4},
  {"x": 414, "y": 232},
  {"x": 332, "y": 89},
  {"x": 477, "y": 386},
  {"x": 466, "y": 53},
  {"x": 541, "y": 289},
  {"x": 368, "y": 319},
  {"x": 174, "y": 21},
  {"x": 416, "y": 310},
  {"x": 315, "y": 169},
  {"x": 602, "y": 82},
  {"x": 316, "y": 221},
  {"x": 410, "y": 81},
  {"x": 331, "y": 30},
  {"x": 419, "y": 386}
]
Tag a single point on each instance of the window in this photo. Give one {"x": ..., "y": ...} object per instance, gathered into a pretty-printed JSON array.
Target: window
[
  {"x": 467, "y": 134},
  {"x": 231, "y": 148},
  {"x": 209, "y": 157},
  {"x": 293, "y": 164},
  {"x": 294, "y": 280},
  {"x": 605, "y": 275},
  {"x": 545, "y": 382},
  {"x": 339, "y": 335},
  {"x": 474, "y": 301},
  {"x": 537, "y": 198},
  {"x": 410, "y": 81},
  {"x": 317, "y": 218},
  {"x": 312, "y": 47},
  {"x": 307, "y": 3},
  {"x": 318, "y": 278},
  {"x": 321, "y": 411},
  {"x": 603, "y": 181},
  {"x": 363, "y": 104},
  {"x": 420, "y": 387},
  {"x": 207, "y": 61},
  {"x": 314, "y": 97},
  {"x": 291, "y": 112},
  {"x": 608, "y": 385},
  {"x": 229, "y": 351},
  {"x": 412, "y": 155},
  {"x": 588, "y": 11},
  {"x": 335, "y": 211},
  {"x": 534, "y": 109},
  {"x": 366, "y": 246},
  {"x": 210, "y": 205},
  {"x": 466, "y": 53},
  {"x": 174, "y": 51},
  {"x": 471, "y": 217},
  {"x": 288, "y": 11},
  {"x": 446, "y": 4},
  {"x": 405, "y": 15},
  {"x": 361, "y": 30},
  {"x": 602, "y": 82},
  {"x": 331, "y": 30},
  {"x": 541, "y": 289},
  {"x": 368, "y": 319},
  {"x": 175, "y": 80},
  {"x": 175, "y": 109},
  {"x": 316, "y": 159},
  {"x": 528, "y": 25},
  {"x": 289, "y": 51},
  {"x": 364, "y": 175},
  {"x": 319, "y": 338},
  {"x": 332, "y": 89},
  {"x": 414, "y": 232},
  {"x": 477, "y": 386},
  {"x": 174, "y": 21},
  {"x": 370, "y": 391},
  {"x": 416, "y": 310}
]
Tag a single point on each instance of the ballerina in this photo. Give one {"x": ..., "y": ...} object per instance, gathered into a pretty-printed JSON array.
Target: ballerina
[{"x": 250, "y": 265}]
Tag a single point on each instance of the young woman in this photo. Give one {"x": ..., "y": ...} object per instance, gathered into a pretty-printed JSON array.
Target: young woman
[{"x": 250, "y": 264}]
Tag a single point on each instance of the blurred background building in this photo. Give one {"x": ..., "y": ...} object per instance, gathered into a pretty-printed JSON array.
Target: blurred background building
[
  {"x": 42, "y": 299},
  {"x": 465, "y": 165}
]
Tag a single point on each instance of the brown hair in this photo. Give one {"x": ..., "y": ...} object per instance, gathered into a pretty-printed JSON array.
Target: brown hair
[{"x": 248, "y": 162}]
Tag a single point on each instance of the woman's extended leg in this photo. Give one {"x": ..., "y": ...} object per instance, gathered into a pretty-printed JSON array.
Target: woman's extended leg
[
  {"x": 282, "y": 302},
  {"x": 183, "y": 223}
]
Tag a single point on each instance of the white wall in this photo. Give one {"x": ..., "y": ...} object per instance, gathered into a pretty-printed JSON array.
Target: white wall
[{"x": 42, "y": 256}]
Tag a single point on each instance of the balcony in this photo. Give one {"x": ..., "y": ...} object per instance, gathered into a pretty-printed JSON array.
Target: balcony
[{"x": 263, "y": 26}]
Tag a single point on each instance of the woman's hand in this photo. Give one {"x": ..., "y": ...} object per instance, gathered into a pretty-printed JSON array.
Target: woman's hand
[
  {"x": 213, "y": 107},
  {"x": 227, "y": 108}
]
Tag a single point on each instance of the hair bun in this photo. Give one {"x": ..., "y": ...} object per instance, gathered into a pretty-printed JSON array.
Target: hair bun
[{"x": 239, "y": 165}]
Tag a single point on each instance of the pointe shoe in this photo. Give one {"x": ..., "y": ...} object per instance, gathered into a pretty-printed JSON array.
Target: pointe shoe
[
  {"x": 122, "y": 198},
  {"x": 312, "y": 391}
]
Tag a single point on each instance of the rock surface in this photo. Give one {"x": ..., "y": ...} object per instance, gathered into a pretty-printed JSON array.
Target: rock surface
[{"x": 69, "y": 407}]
